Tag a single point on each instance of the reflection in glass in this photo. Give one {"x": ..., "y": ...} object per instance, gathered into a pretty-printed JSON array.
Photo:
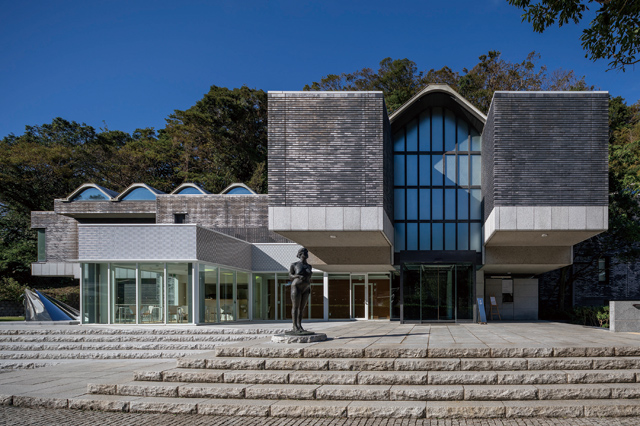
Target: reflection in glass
[
  {"x": 425, "y": 236},
  {"x": 437, "y": 137},
  {"x": 475, "y": 237},
  {"x": 412, "y": 135},
  {"x": 139, "y": 194},
  {"x": 437, "y": 204},
  {"x": 463, "y": 170},
  {"x": 450, "y": 236},
  {"x": 449, "y": 131},
  {"x": 425, "y": 165},
  {"x": 90, "y": 194},
  {"x": 227, "y": 305},
  {"x": 476, "y": 141},
  {"x": 476, "y": 173},
  {"x": 242, "y": 291},
  {"x": 151, "y": 296},
  {"x": 437, "y": 236},
  {"x": 379, "y": 297},
  {"x": 123, "y": 284},
  {"x": 316, "y": 300},
  {"x": 476, "y": 204},
  {"x": 339, "y": 301},
  {"x": 425, "y": 204},
  {"x": 398, "y": 204},
  {"x": 463, "y": 204},
  {"x": 437, "y": 170},
  {"x": 95, "y": 288},
  {"x": 412, "y": 204},
  {"x": 398, "y": 170},
  {"x": 398, "y": 141},
  {"x": 463, "y": 136},
  {"x": 412, "y": 170},
  {"x": 264, "y": 296},
  {"x": 412, "y": 236},
  {"x": 399, "y": 237},
  {"x": 425, "y": 132},
  {"x": 451, "y": 170},
  {"x": 359, "y": 291},
  {"x": 208, "y": 283},
  {"x": 463, "y": 236},
  {"x": 450, "y": 204},
  {"x": 179, "y": 284}
]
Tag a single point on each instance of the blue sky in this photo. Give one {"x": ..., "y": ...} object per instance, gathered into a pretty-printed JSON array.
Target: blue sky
[{"x": 129, "y": 64}]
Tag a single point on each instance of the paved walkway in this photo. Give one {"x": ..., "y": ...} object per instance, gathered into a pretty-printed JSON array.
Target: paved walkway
[{"x": 15, "y": 416}]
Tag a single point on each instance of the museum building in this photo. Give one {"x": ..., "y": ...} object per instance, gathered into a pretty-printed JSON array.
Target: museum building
[{"x": 410, "y": 217}]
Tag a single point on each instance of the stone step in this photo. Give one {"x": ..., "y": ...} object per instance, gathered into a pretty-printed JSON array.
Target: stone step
[
  {"x": 334, "y": 350},
  {"x": 411, "y": 364},
  {"x": 389, "y": 377},
  {"x": 371, "y": 392},
  {"x": 110, "y": 346},
  {"x": 141, "y": 330},
  {"x": 338, "y": 408},
  {"x": 67, "y": 338},
  {"x": 94, "y": 354}
]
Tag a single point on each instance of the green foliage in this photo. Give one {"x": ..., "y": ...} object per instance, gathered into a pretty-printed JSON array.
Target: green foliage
[
  {"x": 594, "y": 316},
  {"x": 400, "y": 79},
  {"x": 69, "y": 295},
  {"x": 613, "y": 35},
  {"x": 11, "y": 290}
]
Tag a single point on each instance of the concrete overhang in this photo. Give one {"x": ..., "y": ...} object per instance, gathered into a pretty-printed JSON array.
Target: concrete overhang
[{"x": 544, "y": 225}]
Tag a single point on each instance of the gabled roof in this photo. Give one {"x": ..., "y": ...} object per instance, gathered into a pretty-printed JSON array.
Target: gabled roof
[
  {"x": 134, "y": 186},
  {"x": 107, "y": 192},
  {"x": 237, "y": 185},
  {"x": 440, "y": 88},
  {"x": 189, "y": 185}
]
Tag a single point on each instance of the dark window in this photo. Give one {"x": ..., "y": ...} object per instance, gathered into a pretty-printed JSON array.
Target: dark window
[
  {"x": 180, "y": 218},
  {"x": 603, "y": 270},
  {"x": 42, "y": 245}
]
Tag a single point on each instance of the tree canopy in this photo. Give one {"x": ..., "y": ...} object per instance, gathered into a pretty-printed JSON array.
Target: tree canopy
[{"x": 613, "y": 35}]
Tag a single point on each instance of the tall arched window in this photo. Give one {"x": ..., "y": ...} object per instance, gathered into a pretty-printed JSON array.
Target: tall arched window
[{"x": 437, "y": 197}]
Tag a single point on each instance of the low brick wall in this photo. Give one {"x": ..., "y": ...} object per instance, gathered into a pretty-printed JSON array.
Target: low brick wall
[
  {"x": 624, "y": 316},
  {"x": 11, "y": 309}
]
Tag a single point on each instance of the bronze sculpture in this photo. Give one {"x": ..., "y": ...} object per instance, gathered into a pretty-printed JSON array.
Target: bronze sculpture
[{"x": 300, "y": 275}]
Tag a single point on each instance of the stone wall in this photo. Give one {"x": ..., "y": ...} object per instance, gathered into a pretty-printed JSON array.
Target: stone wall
[
  {"x": 11, "y": 309},
  {"x": 61, "y": 235}
]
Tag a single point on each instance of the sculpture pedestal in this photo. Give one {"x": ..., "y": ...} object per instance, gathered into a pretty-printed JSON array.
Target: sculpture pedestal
[{"x": 304, "y": 337}]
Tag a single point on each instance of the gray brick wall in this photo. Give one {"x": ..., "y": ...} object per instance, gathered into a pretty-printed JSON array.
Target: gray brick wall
[
  {"x": 327, "y": 149},
  {"x": 104, "y": 207},
  {"x": 215, "y": 210},
  {"x": 61, "y": 235},
  {"x": 546, "y": 148}
]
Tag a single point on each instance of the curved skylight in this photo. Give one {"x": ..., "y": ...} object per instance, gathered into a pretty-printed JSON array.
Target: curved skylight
[
  {"x": 139, "y": 194},
  {"x": 239, "y": 190},
  {"x": 90, "y": 194},
  {"x": 189, "y": 190}
]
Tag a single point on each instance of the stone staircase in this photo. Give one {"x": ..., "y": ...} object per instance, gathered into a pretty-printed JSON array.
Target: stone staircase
[
  {"x": 325, "y": 380},
  {"x": 42, "y": 346}
]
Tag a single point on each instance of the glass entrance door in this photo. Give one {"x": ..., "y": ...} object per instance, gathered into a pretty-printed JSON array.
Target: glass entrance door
[
  {"x": 358, "y": 283},
  {"x": 437, "y": 293}
]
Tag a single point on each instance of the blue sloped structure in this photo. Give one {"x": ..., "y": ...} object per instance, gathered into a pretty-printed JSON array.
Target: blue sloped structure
[{"x": 40, "y": 307}]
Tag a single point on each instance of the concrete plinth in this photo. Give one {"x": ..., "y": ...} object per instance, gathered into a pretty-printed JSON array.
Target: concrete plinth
[{"x": 299, "y": 338}]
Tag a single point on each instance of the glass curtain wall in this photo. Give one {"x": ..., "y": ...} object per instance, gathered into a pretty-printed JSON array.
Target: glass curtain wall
[
  {"x": 151, "y": 296},
  {"x": 208, "y": 284},
  {"x": 437, "y": 183},
  {"x": 264, "y": 296},
  {"x": 179, "y": 284},
  {"x": 123, "y": 287},
  {"x": 379, "y": 296},
  {"x": 242, "y": 291},
  {"x": 315, "y": 304},
  {"x": 95, "y": 293},
  {"x": 358, "y": 286},
  {"x": 227, "y": 305},
  {"x": 339, "y": 296}
]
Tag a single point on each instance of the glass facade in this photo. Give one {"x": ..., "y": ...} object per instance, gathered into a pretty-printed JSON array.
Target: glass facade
[
  {"x": 95, "y": 293},
  {"x": 437, "y": 176}
]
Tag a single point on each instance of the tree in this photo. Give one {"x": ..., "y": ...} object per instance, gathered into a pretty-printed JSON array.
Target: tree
[
  {"x": 399, "y": 79},
  {"x": 222, "y": 139},
  {"x": 613, "y": 35}
]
